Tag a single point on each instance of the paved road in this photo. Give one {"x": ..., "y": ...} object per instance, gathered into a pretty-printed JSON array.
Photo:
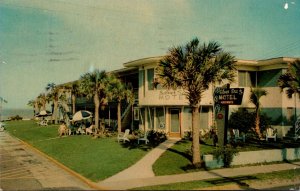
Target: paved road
[{"x": 22, "y": 168}]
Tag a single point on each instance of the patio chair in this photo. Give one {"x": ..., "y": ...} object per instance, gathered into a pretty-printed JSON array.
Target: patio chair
[
  {"x": 271, "y": 134},
  {"x": 43, "y": 123},
  {"x": 89, "y": 130},
  {"x": 145, "y": 138},
  {"x": 237, "y": 135},
  {"x": 124, "y": 136}
]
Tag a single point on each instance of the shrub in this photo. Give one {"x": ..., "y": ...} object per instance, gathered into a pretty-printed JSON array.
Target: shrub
[
  {"x": 226, "y": 153},
  {"x": 244, "y": 121},
  {"x": 156, "y": 137},
  {"x": 16, "y": 118},
  {"x": 187, "y": 135}
]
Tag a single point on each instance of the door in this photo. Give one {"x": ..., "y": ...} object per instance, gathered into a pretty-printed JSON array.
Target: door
[{"x": 174, "y": 122}]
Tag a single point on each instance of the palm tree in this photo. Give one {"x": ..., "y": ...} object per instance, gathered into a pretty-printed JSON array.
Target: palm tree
[
  {"x": 53, "y": 95},
  {"x": 94, "y": 85},
  {"x": 32, "y": 103},
  {"x": 75, "y": 91},
  {"x": 42, "y": 100},
  {"x": 256, "y": 94},
  {"x": 119, "y": 91},
  {"x": 193, "y": 68},
  {"x": 291, "y": 82}
]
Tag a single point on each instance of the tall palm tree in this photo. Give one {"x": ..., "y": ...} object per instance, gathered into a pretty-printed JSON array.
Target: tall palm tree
[
  {"x": 32, "y": 103},
  {"x": 290, "y": 81},
  {"x": 193, "y": 68},
  {"x": 94, "y": 85},
  {"x": 119, "y": 91},
  {"x": 42, "y": 100},
  {"x": 255, "y": 95},
  {"x": 53, "y": 95},
  {"x": 75, "y": 90}
]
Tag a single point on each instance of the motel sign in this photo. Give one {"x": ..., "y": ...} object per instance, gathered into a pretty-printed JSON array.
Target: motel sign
[
  {"x": 228, "y": 96},
  {"x": 223, "y": 97}
]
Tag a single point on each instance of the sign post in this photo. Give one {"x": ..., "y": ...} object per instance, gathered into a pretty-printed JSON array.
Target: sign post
[{"x": 223, "y": 97}]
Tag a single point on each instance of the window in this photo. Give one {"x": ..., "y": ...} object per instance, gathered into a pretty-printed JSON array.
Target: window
[
  {"x": 150, "y": 78},
  {"x": 142, "y": 80},
  {"x": 247, "y": 79},
  {"x": 150, "y": 117},
  {"x": 160, "y": 118},
  {"x": 289, "y": 113},
  {"x": 268, "y": 78}
]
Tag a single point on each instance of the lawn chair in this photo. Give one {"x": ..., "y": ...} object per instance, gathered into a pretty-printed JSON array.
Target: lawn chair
[
  {"x": 124, "y": 136},
  {"x": 271, "y": 134},
  {"x": 237, "y": 136},
  {"x": 89, "y": 130},
  {"x": 43, "y": 123},
  {"x": 145, "y": 138}
]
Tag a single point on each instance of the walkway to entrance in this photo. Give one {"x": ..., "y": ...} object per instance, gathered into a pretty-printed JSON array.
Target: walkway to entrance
[{"x": 143, "y": 168}]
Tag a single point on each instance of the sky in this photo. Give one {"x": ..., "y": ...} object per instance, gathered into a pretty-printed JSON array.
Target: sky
[{"x": 45, "y": 41}]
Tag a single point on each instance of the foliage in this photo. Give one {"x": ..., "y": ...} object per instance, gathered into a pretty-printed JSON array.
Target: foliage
[
  {"x": 226, "y": 153},
  {"x": 156, "y": 137},
  {"x": 94, "y": 85},
  {"x": 256, "y": 94},
  {"x": 291, "y": 79},
  {"x": 75, "y": 90},
  {"x": 119, "y": 91},
  {"x": 42, "y": 100},
  {"x": 54, "y": 94},
  {"x": 193, "y": 68},
  {"x": 244, "y": 121},
  {"x": 16, "y": 118}
]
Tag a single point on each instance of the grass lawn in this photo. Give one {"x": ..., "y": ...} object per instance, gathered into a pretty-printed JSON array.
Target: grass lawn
[
  {"x": 243, "y": 181},
  {"x": 177, "y": 159},
  {"x": 96, "y": 159}
]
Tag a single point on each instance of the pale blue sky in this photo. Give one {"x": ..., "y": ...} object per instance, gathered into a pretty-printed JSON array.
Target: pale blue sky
[{"x": 59, "y": 40}]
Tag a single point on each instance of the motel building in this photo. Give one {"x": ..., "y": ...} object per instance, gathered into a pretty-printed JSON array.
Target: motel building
[{"x": 167, "y": 110}]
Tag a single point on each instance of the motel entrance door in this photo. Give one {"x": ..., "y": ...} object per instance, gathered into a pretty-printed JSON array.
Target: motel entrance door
[{"x": 174, "y": 122}]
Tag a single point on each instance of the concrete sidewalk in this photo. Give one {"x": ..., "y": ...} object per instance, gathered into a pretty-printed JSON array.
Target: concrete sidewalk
[
  {"x": 23, "y": 167},
  {"x": 202, "y": 175},
  {"x": 143, "y": 168},
  {"x": 141, "y": 173}
]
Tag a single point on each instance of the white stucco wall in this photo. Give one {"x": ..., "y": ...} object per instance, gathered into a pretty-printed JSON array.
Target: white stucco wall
[{"x": 256, "y": 157}]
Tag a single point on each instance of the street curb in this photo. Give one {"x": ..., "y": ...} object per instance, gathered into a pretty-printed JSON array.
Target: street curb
[{"x": 80, "y": 177}]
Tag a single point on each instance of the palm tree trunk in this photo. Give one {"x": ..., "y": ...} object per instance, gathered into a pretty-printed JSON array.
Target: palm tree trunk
[
  {"x": 73, "y": 104},
  {"x": 119, "y": 118},
  {"x": 36, "y": 108},
  {"x": 257, "y": 123},
  {"x": 195, "y": 144},
  {"x": 97, "y": 104},
  {"x": 55, "y": 111}
]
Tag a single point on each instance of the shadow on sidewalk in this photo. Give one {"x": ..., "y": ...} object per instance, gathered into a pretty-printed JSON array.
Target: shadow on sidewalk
[{"x": 239, "y": 180}]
